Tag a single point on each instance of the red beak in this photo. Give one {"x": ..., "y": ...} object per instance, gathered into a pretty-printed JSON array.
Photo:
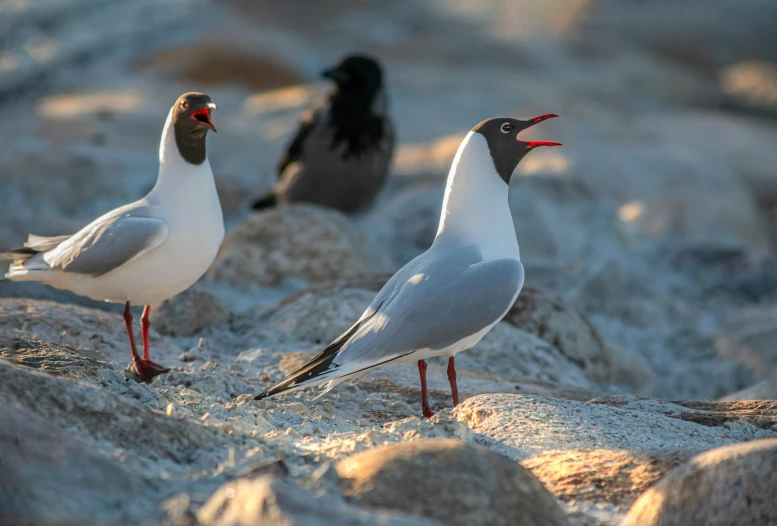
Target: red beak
[
  {"x": 203, "y": 116},
  {"x": 537, "y": 120}
]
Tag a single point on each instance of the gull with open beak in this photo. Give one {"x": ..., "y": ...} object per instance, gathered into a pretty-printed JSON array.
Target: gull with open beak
[
  {"x": 149, "y": 250},
  {"x": 445, "y": 300}
]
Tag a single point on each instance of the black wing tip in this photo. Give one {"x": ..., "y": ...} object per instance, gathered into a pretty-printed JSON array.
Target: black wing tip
[{"x": 266, "y": 201}]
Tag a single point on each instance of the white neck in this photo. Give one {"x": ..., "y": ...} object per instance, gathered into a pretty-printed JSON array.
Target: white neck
[
  {"x": 475, "y": 209},
  {"x": 174, "y": 172}
]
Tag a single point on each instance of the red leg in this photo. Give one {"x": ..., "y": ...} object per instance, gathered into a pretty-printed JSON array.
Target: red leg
[
  {"x": 427, "y": 411},
  {"x": 145, "y": 324},
  {"x": 144, "y": 367},
  {"x": 128, "y": 323},
  {"x": 452, "y": 380}
]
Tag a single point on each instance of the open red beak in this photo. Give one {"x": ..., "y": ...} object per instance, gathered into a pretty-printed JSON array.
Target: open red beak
[
  {"x": 203, "y": 116},
  {"x": 537, "y": 120}
]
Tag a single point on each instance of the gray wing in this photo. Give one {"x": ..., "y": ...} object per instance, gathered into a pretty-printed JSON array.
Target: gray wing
[
  {"x": 432, "y": 302},
  {"x": 111, "y": 241},
  {"x": 434, "y": 307}
]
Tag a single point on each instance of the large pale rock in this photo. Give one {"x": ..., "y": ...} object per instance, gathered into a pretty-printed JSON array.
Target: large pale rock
[
  {"x": 188, "y": 313},
  {"x": 304, "y": 241},
  {"x": 522, "y": 426},
  {"x": 49, "y": 477},
  {"x": 728, "y": 485},
  {"x": 105, "y": 416},
  {"x": 91, "y": 333},
  {"x": 449, "y": 481},
  {"x": 269, "y": 501}
]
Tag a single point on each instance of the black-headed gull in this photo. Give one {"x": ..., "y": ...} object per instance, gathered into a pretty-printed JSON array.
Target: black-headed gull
[
  {"x": 445, "y": 300},
  {"x": 149, "y": 250}
]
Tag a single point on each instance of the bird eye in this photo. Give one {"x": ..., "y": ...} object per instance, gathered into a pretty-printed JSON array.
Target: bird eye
[
  {"x": 184, "y": 104},
  {"x": 507, "y": 127}
]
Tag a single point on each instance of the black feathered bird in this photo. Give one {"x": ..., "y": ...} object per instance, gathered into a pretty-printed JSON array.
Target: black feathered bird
[{"x": 341, "y": 153}]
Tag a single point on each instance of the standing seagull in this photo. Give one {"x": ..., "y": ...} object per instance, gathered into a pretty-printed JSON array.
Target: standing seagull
[
  {"x": 445, "y": 300},
  {"x": 340, "y": 156},
  {"x": 149, "y": 250}
]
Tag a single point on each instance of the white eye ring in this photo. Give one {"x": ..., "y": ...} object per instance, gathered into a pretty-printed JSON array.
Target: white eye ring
[
  {"x": 506, "y": 127},
  {"x": 184, "y": 104}
]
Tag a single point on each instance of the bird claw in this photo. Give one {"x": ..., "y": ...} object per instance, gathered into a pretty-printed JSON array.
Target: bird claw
[
  {"x": 146, "y": 369},
  {"x": 428, "y": 413}
]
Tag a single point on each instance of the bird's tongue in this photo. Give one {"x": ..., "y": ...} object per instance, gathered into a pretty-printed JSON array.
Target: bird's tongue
[{"x": 203, "y": 116}]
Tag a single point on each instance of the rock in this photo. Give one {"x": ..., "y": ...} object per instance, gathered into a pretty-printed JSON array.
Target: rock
[
  {"x": 39, "y": 291},
  {"x": 302, "y": 241},
  {"x": 558, "y": 219},
  {"x": 271, "y": 500},
  {"x": 318, "y": 316},
  {"x": 104, "y": 416},
  {"x": 48, "y": 477},
  {"x": 747, "y": 336},
  {"x": 758, "y": 413},
  {"x": 510, "y": 351},
  {"x": 602, "y": 476},
  {"x": 548, "y": 317},
  {"x": 753, "y": 84},
  {"x": 188, "y": 313},
  {"x": 91, "y": 333},
  {"x": 728, "y": 485},
  {"x": 450, "y": 481},
  {"x": 723, "y": 208},
  {"x": 763, "y": 390},
  {"x": 522, "y": 426},
  {"x": 408, "y": 221},
  {"x": 54, "y": 359}
]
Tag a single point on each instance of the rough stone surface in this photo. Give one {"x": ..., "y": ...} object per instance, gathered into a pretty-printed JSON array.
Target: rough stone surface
[
  {"x": 103, "y": 415},
  {"x": 602, "y": 475},
  {"x": 93, "y": 333},
  {"x": 188, "y": 313},
  {"x": 302, "y": 241},
  {"x": 521, "y": 426},
  {"x": 728, "y": 485},
  {"x": 759, "y": 413},
  {"x": 271, "y": 500},
  {"x": 449, "y": 481}
]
